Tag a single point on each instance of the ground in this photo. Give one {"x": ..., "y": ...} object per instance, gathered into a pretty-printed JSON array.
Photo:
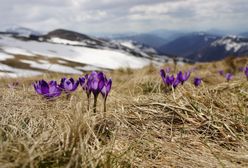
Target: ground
[{"x": 146, "y": 124}]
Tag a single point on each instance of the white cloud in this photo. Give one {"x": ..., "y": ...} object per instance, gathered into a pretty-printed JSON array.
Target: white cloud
[{"x": 123, "y": 15}]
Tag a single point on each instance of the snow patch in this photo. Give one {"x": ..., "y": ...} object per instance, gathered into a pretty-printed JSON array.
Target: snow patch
[
  {"x": 230, "y": 44},
  {"x": 16, "y": 72},
  {"x": 65, "y": 41},
  {"x": 103, "y": 58},
  {"x": 4, "y": 56},
  {"x": 17, "y": 51},
  {"x": 88, "y": 68},
  {"x": 52, "y": 67},
  {"x": 128, "y": 44}
]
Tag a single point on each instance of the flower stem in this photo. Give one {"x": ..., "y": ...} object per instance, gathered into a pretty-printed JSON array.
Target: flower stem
[
  {"x": 94, "y": 105},
  {"x": 68, "y": 96},
  {"x": 173, "y": 93},
  {"x": 104, "y": 105},
  {"x": 88, "y": 105}
]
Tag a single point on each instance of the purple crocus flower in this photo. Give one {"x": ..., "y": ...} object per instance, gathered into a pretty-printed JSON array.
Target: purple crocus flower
[
  {"x": 169, "y": 80},
  {"x": 95, "y": 83},
  {"x": 197, "y": 81},
  {"x": 86, "y": 85},
  {"x": 183, "y": 77},
  {"x": 221, "y": 72},
  {"x": 48, "y": 90},
  {"x": 68, "y": 85},
  {"x": 106, "y": 88},
  {"x": 246, "y": 72},
  {"x": 176, "y": 83},
  {"x": 105, "y": 91},
  {"x": 164, "y": 73},
  {"x": 228, "y": 76}
]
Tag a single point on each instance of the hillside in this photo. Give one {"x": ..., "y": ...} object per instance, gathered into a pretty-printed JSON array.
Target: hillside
[
  {"x": 65, "y": 51},
  {"x": 188, "y": 44},
  {"x": 144, "y": 126}
]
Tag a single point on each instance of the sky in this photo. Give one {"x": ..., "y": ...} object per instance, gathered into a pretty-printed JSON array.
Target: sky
[{"x": 120, "y": 16}]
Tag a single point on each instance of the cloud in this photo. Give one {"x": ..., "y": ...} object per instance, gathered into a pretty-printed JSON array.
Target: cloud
[{"x": 123, "y": 15}]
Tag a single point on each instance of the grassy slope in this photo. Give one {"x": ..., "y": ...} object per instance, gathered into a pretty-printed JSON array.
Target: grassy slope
[{"x": 143, "y": 126}]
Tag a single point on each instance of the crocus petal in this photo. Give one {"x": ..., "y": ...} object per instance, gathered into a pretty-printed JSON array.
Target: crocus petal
[
  {"x": 176, "y": 83},
  {"x": 101, "y": 83},
  {"x": 94, "y": 84},
  {"x": 44, "y": 87},
  {"x": 162, "y": 73},
  {"x": 81, "y": 81},
  {"x": 186, "y": 75},
  {"x": 68, "y": 85},
  {"x": 180, "y": 76},
  {"x": 62, "y": 81},
  {"x": 75, "y": 86},
  {"x": 104, "y": 91},
  {"x": 37, "y": 87},
  {"x": 169, "y": 80},
  {"x": 109, "y": 85},
  {"x": 246, "y": 71},
  {"x": 72, "y": 81},
  {"x": 54, "y": 91},
  {"x": 100, "y": 76}
]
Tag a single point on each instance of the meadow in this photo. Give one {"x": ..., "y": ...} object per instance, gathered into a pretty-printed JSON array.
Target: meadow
[{"x": 145, "y": 124}]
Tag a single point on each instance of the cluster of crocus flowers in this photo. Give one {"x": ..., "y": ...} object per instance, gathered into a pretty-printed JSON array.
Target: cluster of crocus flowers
[
  {"x": 228, "y": 76},
  {"x": 94, "y": 83},
  {"x": 170, "y": 80},
  {"x": 52, "y": 90}
]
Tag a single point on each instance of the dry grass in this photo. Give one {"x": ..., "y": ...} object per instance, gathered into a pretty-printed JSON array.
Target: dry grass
[{"x": 143, "y": 126}]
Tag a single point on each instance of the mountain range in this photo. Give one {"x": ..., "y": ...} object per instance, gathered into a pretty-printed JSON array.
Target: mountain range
[
  {"x": 28, "y": 51},
  {"x": 197, "y": 46}
]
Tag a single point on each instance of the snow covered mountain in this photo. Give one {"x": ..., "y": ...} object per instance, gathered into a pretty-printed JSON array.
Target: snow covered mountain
[
  {"x": 206, "y": 47},
  {"x": 67, "y": 52},
  {"x": 221, "y": 48},
  {"x": 187, "y": 44}
]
